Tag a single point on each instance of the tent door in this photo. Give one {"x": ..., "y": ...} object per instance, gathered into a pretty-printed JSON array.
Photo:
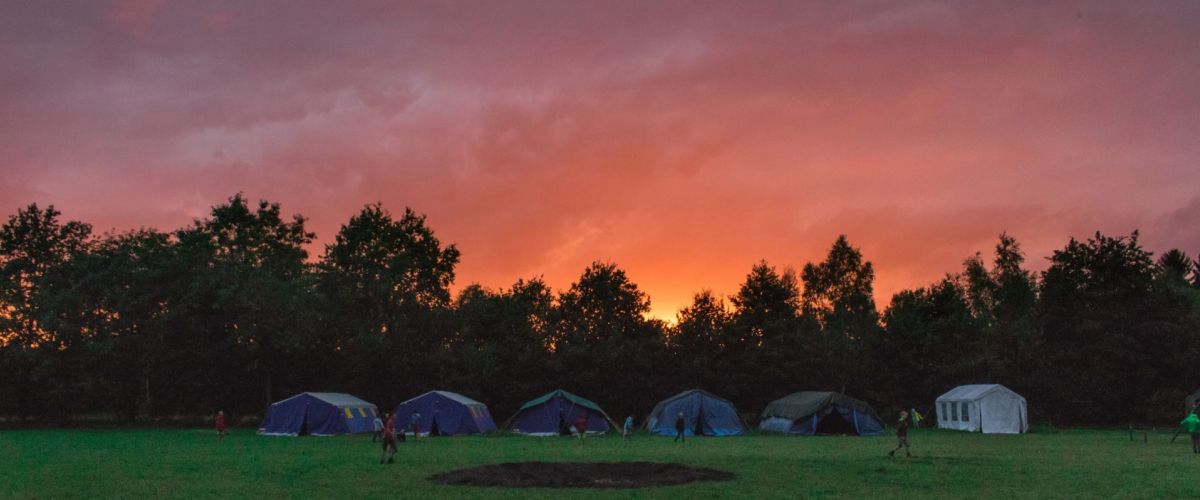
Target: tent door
[
  {"x": 433, "y": 428},
  {"x": 835, "y": 423}
]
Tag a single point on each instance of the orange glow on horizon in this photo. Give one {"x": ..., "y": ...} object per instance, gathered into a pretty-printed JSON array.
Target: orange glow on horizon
[{"x": 682, "y": 142}]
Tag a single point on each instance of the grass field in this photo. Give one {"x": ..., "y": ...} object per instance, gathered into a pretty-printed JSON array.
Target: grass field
[{"x": 193, "y": 463}]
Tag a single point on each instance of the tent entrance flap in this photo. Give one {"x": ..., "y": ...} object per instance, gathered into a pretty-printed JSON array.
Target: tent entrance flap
[{"x": 833, "y": 422}]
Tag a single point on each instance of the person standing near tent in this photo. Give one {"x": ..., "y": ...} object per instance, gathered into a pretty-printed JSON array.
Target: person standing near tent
[
  {"x": 581, "y": 423},
  {"x": 389, "y": 439},
  {"x": 378, "y": 424},
  {"x": 902, "y": 435},
  {"x": 221, "y": 432},
  {"x": 679, "y": 425},
  {"x": 416, "y": 425},
  {"x": 627, "y": 429},
  {"x": 1191, "y": 425}
]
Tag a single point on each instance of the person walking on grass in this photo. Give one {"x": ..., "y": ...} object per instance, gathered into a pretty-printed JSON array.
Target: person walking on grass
[
  {"x": 902, "y": 435},
  {"x": 679, "y": 425},
  {"x": 627, "y": 429},
  {"x": 389, "y": 439},
  {"x": 581, "y": 424},
  {"x": 1191, "y": 425},
  {"x": 221, "y": 432}
]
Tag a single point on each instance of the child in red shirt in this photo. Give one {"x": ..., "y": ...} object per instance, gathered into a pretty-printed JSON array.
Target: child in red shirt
[
  {"x": 581, "y": 424},
  {"x": 221, "y": 424},
  {"x": 389, "y": 440}
]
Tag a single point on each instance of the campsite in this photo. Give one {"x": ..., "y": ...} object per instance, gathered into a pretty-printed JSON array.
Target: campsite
[{"x": 693, "y": 249}]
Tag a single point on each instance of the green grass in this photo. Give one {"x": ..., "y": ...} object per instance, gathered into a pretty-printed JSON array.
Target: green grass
[{"x": 193, "y": 463}]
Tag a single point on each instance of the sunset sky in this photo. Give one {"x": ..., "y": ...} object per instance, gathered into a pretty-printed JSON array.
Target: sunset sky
[{"x": 684, "y": 141}]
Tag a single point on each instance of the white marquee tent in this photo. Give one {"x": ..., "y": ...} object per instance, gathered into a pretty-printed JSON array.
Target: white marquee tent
[{"x": 987, "y": 408}]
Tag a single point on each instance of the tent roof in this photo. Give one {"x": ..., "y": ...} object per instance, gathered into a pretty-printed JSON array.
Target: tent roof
[
  {"x": 453, "y": 396},
  {"x": 565, "y": 395},
  {"x": 805, "y": 403},
  {"x": 972, "y": 392},
  {"x": 338, "y": 399},
  {"x": 690, "y": 392}
]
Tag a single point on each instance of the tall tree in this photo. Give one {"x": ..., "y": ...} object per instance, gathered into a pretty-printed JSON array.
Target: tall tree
[
  {"x": 928, "y": 342},
  {"x": 385, "y": 282},
  {"x": 1176, "y": 265},
  {"x": 767, "y": 352},
  {"x": 250, "y": 269},
  {"x": 111, "y": 308},
  {"x": 766, "y": 305},
  {"x": 699, "y": 342},
  {"x": 499, "y": 342},
  {"x": 1003, "y": 302},
  {"x": 1103, "y": 329},
  {"x": 839, "y": 299},
  {"x": 603, "y": 344},
  {"x": 33, "y": 242}
]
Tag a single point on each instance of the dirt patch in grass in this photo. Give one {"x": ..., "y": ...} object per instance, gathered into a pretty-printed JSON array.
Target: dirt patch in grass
[{"x": 580, "y": 475}]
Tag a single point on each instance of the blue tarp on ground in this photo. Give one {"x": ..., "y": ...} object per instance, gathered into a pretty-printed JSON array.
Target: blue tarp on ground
[
  {"x": 703, "y": 413},
  {"x": 555, "y": 413},
  {"x": 319, "y": 414},
  {"x": 445, "y": 413}
]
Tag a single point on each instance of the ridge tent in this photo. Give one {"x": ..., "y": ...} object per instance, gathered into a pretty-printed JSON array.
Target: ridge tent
[
  {"x": 319, "y": 414},
  {"x": 445, "y": 413},
  {"x": 987, "y": 408},
  {"x": 704, "y": 414},
  {"x": 809, "y": 413},
  {"x": 554, "y": 414}
]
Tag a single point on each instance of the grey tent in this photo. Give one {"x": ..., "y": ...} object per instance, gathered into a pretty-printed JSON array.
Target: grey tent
[
  {"x": 986, "y": 408},
  {"x": 811, "y": 412}
]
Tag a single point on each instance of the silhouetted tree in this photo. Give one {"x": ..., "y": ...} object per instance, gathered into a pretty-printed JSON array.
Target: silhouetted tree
[
  {"x": 839, "y": 299},
  {"x": 1110, "y": 339},
  {"x": 500, "y": 343},
  {"x": 111, "y": 311},
  {"x": 384, "y": 283},
  {"x": 700, "y": 342},
  {"x": 602, "y": 342},
  {"x": 249, "y": 268},
  {"x": 148, "y": 323},
  {"x": 928, "y": 344},
  {"x": 1176, "y": 265},
  {"x": 767, "y": 353},
  {"x": 32, "y": 243}
]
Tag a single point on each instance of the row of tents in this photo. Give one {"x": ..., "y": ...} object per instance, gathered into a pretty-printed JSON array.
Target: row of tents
[{"x": 988, "y": 408}]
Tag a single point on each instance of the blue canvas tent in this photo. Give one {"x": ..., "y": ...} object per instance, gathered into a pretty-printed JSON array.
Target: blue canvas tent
[
  {"x": 704, "y": 414},
  {"x": 445, "y": 413},
  {"x": 319, "y": 414},
  {"x": 555, "y": 413},
  {"x": 808, "y": 413}
]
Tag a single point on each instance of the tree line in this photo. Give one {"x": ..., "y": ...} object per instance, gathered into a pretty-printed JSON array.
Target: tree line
[{"x": 231, "y": 312}]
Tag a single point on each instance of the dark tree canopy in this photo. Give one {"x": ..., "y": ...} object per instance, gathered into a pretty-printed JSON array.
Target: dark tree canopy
[{"x": 230, "y": 313}]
